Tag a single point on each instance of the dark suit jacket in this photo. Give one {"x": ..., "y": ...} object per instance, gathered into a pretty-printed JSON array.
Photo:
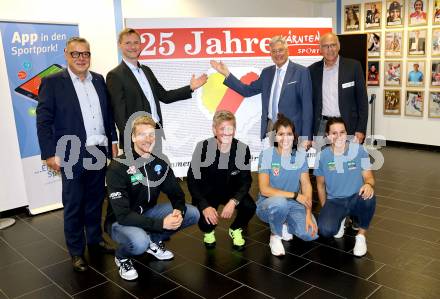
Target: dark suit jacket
[
  {"x": 353, "y": 100},
  {"x": 59, "y": 114},
  {"x": 127, "y": 97},
  {"x": 295, "y": 98}
]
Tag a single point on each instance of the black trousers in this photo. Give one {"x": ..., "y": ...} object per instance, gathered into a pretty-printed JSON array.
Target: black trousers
[{"x": 245, "y": 211}]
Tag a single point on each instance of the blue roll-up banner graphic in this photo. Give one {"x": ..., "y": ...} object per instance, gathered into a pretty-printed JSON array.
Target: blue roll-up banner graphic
[{"x": 33, "y": 51}]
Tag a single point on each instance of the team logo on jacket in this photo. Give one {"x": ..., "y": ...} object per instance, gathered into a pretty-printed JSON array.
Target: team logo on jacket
[
  {"x": 158, "y": 169},
  {"x": 131, "y": 170},
  {"x": 351, "y": 165},
  {"x": 331, "y": 165}
]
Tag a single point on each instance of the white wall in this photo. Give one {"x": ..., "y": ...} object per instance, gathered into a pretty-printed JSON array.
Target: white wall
[{"x": 421, "y": 130}]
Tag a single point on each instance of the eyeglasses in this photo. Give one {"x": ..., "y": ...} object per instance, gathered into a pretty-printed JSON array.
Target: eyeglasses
[
  {"x": 277, "y": 51},
  {"x": 76, "y": 54},
  {"x": 329, "y": 46}
]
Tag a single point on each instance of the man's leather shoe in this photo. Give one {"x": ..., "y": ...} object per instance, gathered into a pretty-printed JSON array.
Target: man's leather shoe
[
  {"x": 101, "y": 247},
  {"x": 79, "y": 263}
]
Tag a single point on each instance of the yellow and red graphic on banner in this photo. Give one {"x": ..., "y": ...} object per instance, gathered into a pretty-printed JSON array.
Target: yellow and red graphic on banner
[{"x": 216, "y": 96}]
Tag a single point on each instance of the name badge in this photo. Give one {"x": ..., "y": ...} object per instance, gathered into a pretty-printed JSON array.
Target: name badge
[
  {"x": 348, "y": 84},
  {"x": 351, "y": 165},
  {"x": 331, "y": 166}
]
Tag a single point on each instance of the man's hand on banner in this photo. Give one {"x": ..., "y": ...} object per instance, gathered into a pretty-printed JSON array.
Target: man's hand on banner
[
  {"x": 198, "y": 82},
  {"x": 220, "y": 67},
  {"x": 54, "y": 163}
]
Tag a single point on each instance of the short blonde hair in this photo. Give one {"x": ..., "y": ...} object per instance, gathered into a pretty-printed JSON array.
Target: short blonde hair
[
  {"x": 127, "y": 31},
  {"x": 221, "y": 116},
  {"x": 142, "y": 120}
]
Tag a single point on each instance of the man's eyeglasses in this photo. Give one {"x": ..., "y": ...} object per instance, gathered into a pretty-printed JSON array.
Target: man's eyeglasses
[
  {"x": 329, "y": 46},
  {"x": 76, "y": 54},
  {"x": 277, "y": 51}
]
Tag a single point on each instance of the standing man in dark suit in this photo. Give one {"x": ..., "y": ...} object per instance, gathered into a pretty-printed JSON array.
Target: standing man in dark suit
[
  {"x": 285, "y": 88},
  {"x": 73, "y": 104},
  {"x": 133, "y": 87},
  {"x": 338, "y": 90}
]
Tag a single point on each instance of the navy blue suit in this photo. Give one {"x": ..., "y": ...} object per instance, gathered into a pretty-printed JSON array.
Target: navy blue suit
[
  {"x": 295, "y": 98},
  {"x": 59, "y": 114}
]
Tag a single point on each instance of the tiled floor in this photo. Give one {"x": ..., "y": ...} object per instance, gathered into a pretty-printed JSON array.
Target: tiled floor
[{"x": 403, "y": 259}]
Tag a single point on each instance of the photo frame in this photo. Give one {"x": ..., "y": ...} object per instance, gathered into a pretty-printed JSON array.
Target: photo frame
[
  {"x": 395, "y": 13},
  {"x": 434, "y": 104},
  {"x": 436, "y": 13},
  {"x": 417, "y": 42},
  {"x": 435, "y": 42},
  {"x": 417, "y": 12},
  {"x": 415, "y": 73},
  {"x": 435, "y": 73},
  {"x": 392, "y": 73},
  {"x": 414, "y": 103},
  {"x": 352, "y": 16},
  {"x": 391, "y": 102},
  {"x": 393, "y": 43},
  {"x": 373, "y": 74},
  {"x": 373, "y": 44},
  {"x": 373, "y": 15}
]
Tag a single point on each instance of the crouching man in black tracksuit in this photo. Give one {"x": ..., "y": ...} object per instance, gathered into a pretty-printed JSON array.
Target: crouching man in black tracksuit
[
  {"x": 220, "y": 173},
  {"x": 137, "y": 222}
]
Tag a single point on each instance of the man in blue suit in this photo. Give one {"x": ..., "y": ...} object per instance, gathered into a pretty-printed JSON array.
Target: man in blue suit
[
  {"x": 285, "y": 88},
  {"x": 73, "y": 106}
]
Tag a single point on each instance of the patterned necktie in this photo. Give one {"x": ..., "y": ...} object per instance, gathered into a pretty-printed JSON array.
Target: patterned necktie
[{"x": 275, "y": 96}]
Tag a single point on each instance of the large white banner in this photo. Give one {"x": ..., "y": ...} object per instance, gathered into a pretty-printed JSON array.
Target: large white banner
[{"x": 177, "y": 48}]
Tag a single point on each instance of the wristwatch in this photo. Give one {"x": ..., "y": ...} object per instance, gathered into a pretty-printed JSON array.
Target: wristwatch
[{"x": 235, "y": 201}]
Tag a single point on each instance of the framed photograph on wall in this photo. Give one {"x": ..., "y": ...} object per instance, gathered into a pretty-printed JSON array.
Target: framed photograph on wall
[
  {"x": 417, "y": 42},
  {"x": 436, "y": 13},
  {"x": 391, "y": 102},
  {"x": 393, "y": 43},
  {"x": 415, "y": 73},
  {"x": 373, "y": 15},
  {"x": 417, "y": 12},
  {"x": 373, "y": 44},
  {"x": 414, "y": 103},
  {"x": 352, "y": 17},
  {"x": 435, "y": 73},
  {"x": 373, "y": 78},
  {"x": 392, "y": 73},
  {"x": 435, "y": 42},
  {"x": 434, "y": 104},
  {"x": 395, "y": 13}
]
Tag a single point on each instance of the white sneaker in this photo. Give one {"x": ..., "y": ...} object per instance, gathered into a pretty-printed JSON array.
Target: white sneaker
[
  {"x": 360, "y": 247},
  {"x": 276, "y": 246},
  {"x": 6, "y": 222},
  {"x": 158, "y": 251},
  {"x": 341, "y": 230},
  {"x": 286, "y": 236},
  {"x": 126, "y": 269}
]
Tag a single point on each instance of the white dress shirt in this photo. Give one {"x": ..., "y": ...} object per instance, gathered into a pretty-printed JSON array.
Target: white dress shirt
[
  {"x": 330, "y": 92},
  {"x": 90, "y": 109},
  {"x": 280, "y": 84}
]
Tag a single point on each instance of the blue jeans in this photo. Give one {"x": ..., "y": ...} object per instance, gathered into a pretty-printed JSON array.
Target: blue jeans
[
  {"x": 278, "y": 210},
  {"x": 134, "y": 240},
  {"x": 336, "y": 209}
]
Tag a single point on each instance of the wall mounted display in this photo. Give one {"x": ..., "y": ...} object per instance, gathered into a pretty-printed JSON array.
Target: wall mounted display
[
  {"x": 435, "y": 73},
  {"x": 417, "y": 42},
  {"x": 434, "y": 105},
  {"x": 436, "y": 13},
  {"x": 395, "y": 13},
  {"x": 393, "y": 43},
  {"x": 373, "y": 44},
  {"x": 414, "y": 103},
  {"x": 417, "y": 12},
  {"x": 373, "y": 78},
  {"x": 373, "y": 15},
  {"x": 352, "y": 16},
  {"x": 391, "y": 102},
  {"x": 392, "y": 73},
  {"x": 415, "y": 73},
  {"x": 435, "y": 42}
]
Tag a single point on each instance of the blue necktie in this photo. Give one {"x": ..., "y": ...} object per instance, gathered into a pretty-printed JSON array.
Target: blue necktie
[{"x": 275, "y": 96}]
